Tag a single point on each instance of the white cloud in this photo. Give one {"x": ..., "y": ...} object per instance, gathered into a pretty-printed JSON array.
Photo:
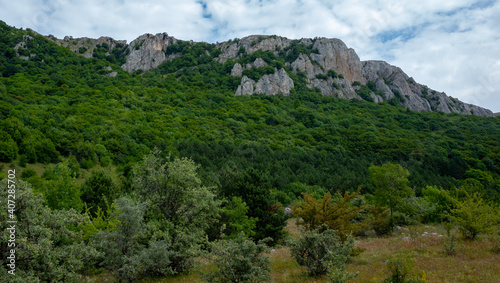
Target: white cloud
[{"x": 451, "y": 46}]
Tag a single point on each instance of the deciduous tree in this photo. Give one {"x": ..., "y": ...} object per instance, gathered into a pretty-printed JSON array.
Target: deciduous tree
[{"x": 391, "y": 185}]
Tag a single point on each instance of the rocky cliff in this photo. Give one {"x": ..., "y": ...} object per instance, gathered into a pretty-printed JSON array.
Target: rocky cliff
[
  {"x": 85, "y": 46},
  {"x": 147, "y": 51},
  {"x": 326, "y": 65}
]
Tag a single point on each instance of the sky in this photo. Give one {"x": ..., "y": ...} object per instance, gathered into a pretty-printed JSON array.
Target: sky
[{"x": 451, "y": 46}]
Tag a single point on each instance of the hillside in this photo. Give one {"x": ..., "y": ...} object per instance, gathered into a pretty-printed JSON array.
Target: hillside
[
  {"x": 273, "y": 64},
  {"x": 163, "y": 135}
]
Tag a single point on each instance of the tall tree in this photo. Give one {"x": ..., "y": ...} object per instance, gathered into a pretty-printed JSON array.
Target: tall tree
[
  {"x": 99, "y": 191},
  {"x": 174, "y": 190},
  {"x": 336, "y": 213},
  {"x": 48, "y": 243},
  {"x": 391, "y": 185}
]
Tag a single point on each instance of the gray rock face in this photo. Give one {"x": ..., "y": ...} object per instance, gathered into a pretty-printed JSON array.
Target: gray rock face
[
  {"x": 279, "y": 82},
  {"x": 304, "y": 64},
  {"x": 272, "y": 84},
  {"x": 246, "y": 86},
  {"x": 250, "y": 44},
  {"x": 334, "y": 55},
  {"x": 259, "y": 62},
  {"x": 147, "y": 52},
  {"x": 87, "y": 45},
  {"x": 391, "y": 83},
  {"x": 237, "y": 70},
  {"x": 391, "y": 80}
]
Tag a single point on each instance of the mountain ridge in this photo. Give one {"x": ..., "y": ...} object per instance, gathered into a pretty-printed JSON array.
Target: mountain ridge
[{"x": 324, "y": 64}]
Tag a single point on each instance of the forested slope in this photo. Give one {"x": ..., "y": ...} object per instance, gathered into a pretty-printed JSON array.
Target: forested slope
[{"x": 57, "y": 106}]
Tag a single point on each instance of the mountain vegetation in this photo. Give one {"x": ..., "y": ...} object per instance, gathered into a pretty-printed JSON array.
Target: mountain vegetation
[{"x": 141, "y": 174}]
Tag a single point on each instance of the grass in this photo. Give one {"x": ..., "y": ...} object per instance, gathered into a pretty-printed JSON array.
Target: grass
[{"x": 474, "y": 261}]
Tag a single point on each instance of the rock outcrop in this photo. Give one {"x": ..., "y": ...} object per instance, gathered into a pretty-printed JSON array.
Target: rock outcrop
[
  {"x": 147, "y": 51},
  {"x": 392, "y": 81},
  {"x": 327, "y": 65},
  {"x": 333, "y": 54},
  {"x": 279, "y": 82},
  {"x": 85, "y": 46}
]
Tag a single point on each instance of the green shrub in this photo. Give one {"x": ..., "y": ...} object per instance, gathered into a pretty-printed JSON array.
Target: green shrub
[
  {"x": 29, "y": 172},
  {"x": 365, "y": 92},
  {"x": 321, "y": 77},
  {"x": 239, "y": 260},
  {"x": 474, "y": 216},
  {"x": 379, "y": 220},
  {"x": 337, "y": 212},
  {"x": 234, "y": 214},
  {"x": 49, "y": 245},
  {"x": 401, "y": 271},
  {"x": 154, "y": 261},
  {"x": 372, "y": 86},
  {"x": 8, "y": 148},
  {"x": 322, "y": 250},
  {"x": 98, "y": 190},
  {"x": 450, "y": 245}
]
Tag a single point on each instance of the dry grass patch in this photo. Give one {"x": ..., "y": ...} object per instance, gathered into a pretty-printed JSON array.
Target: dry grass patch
[
  {"x": 473, "y": 262},
  {"x": 284, "y": 268}
]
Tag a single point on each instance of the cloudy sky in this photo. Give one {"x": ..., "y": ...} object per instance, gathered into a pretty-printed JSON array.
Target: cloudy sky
[{"x": 451, "y": 46}]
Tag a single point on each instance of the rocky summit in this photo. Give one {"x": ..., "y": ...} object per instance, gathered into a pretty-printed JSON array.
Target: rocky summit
[{"x": 324, "y": 64}]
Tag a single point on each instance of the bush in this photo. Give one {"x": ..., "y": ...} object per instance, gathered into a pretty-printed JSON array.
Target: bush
[
  {"x": 379, "y": 220},
  {"x": 154, "y": 261},
  {"x": 338, "y": 213},
  {"x": 401, "y": 270},
  {"x": 239, "y": 260},
  {"x": 49, "y": 245},
  {"x": 474, "y": 216},
  {"x": 60, "y": 188},
  {"x": 321, "y": 250},
  {"x": 120, "y": 241},
  {"x": 29, "y": 172},
  {"x": 234, "y": 214},
  {"x": 365, "y": 93},
  {"x": 8, "y": 148},
  {"x": 98, "y": 190}
]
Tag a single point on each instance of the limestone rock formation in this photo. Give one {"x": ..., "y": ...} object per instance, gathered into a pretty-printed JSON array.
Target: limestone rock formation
[
  {"x": 272, "y": 84},
  {"x": 85, "y": 46},
  {"x": 147, "y": 52},
  {"x": 391, "y": 80},
  {"x": 326, "y": 64},
  {"x": 334, "y": 55}
]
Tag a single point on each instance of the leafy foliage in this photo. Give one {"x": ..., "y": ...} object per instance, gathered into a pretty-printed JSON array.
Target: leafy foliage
[
  {"x": 49, "y": 245},
  {"x": 390, "y": 181},
  {"x": 175, "y": 193},
  {"x": 401, "y": 271},
  {"x": 321, "y": 249},
  {"x": 239, "y": 260},
  {"x": 99, "y": 191},
  {"x": 234, "y": 215},
  {"x": 337, "y": 213},
  {"x": 474, "y": 216},
  {"x": 60, "y": 188},
  {"x": 253, "y": 188}
]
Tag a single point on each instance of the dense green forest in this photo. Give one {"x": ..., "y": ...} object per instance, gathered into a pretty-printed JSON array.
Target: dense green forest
[{"x": 175, "y": 157}]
